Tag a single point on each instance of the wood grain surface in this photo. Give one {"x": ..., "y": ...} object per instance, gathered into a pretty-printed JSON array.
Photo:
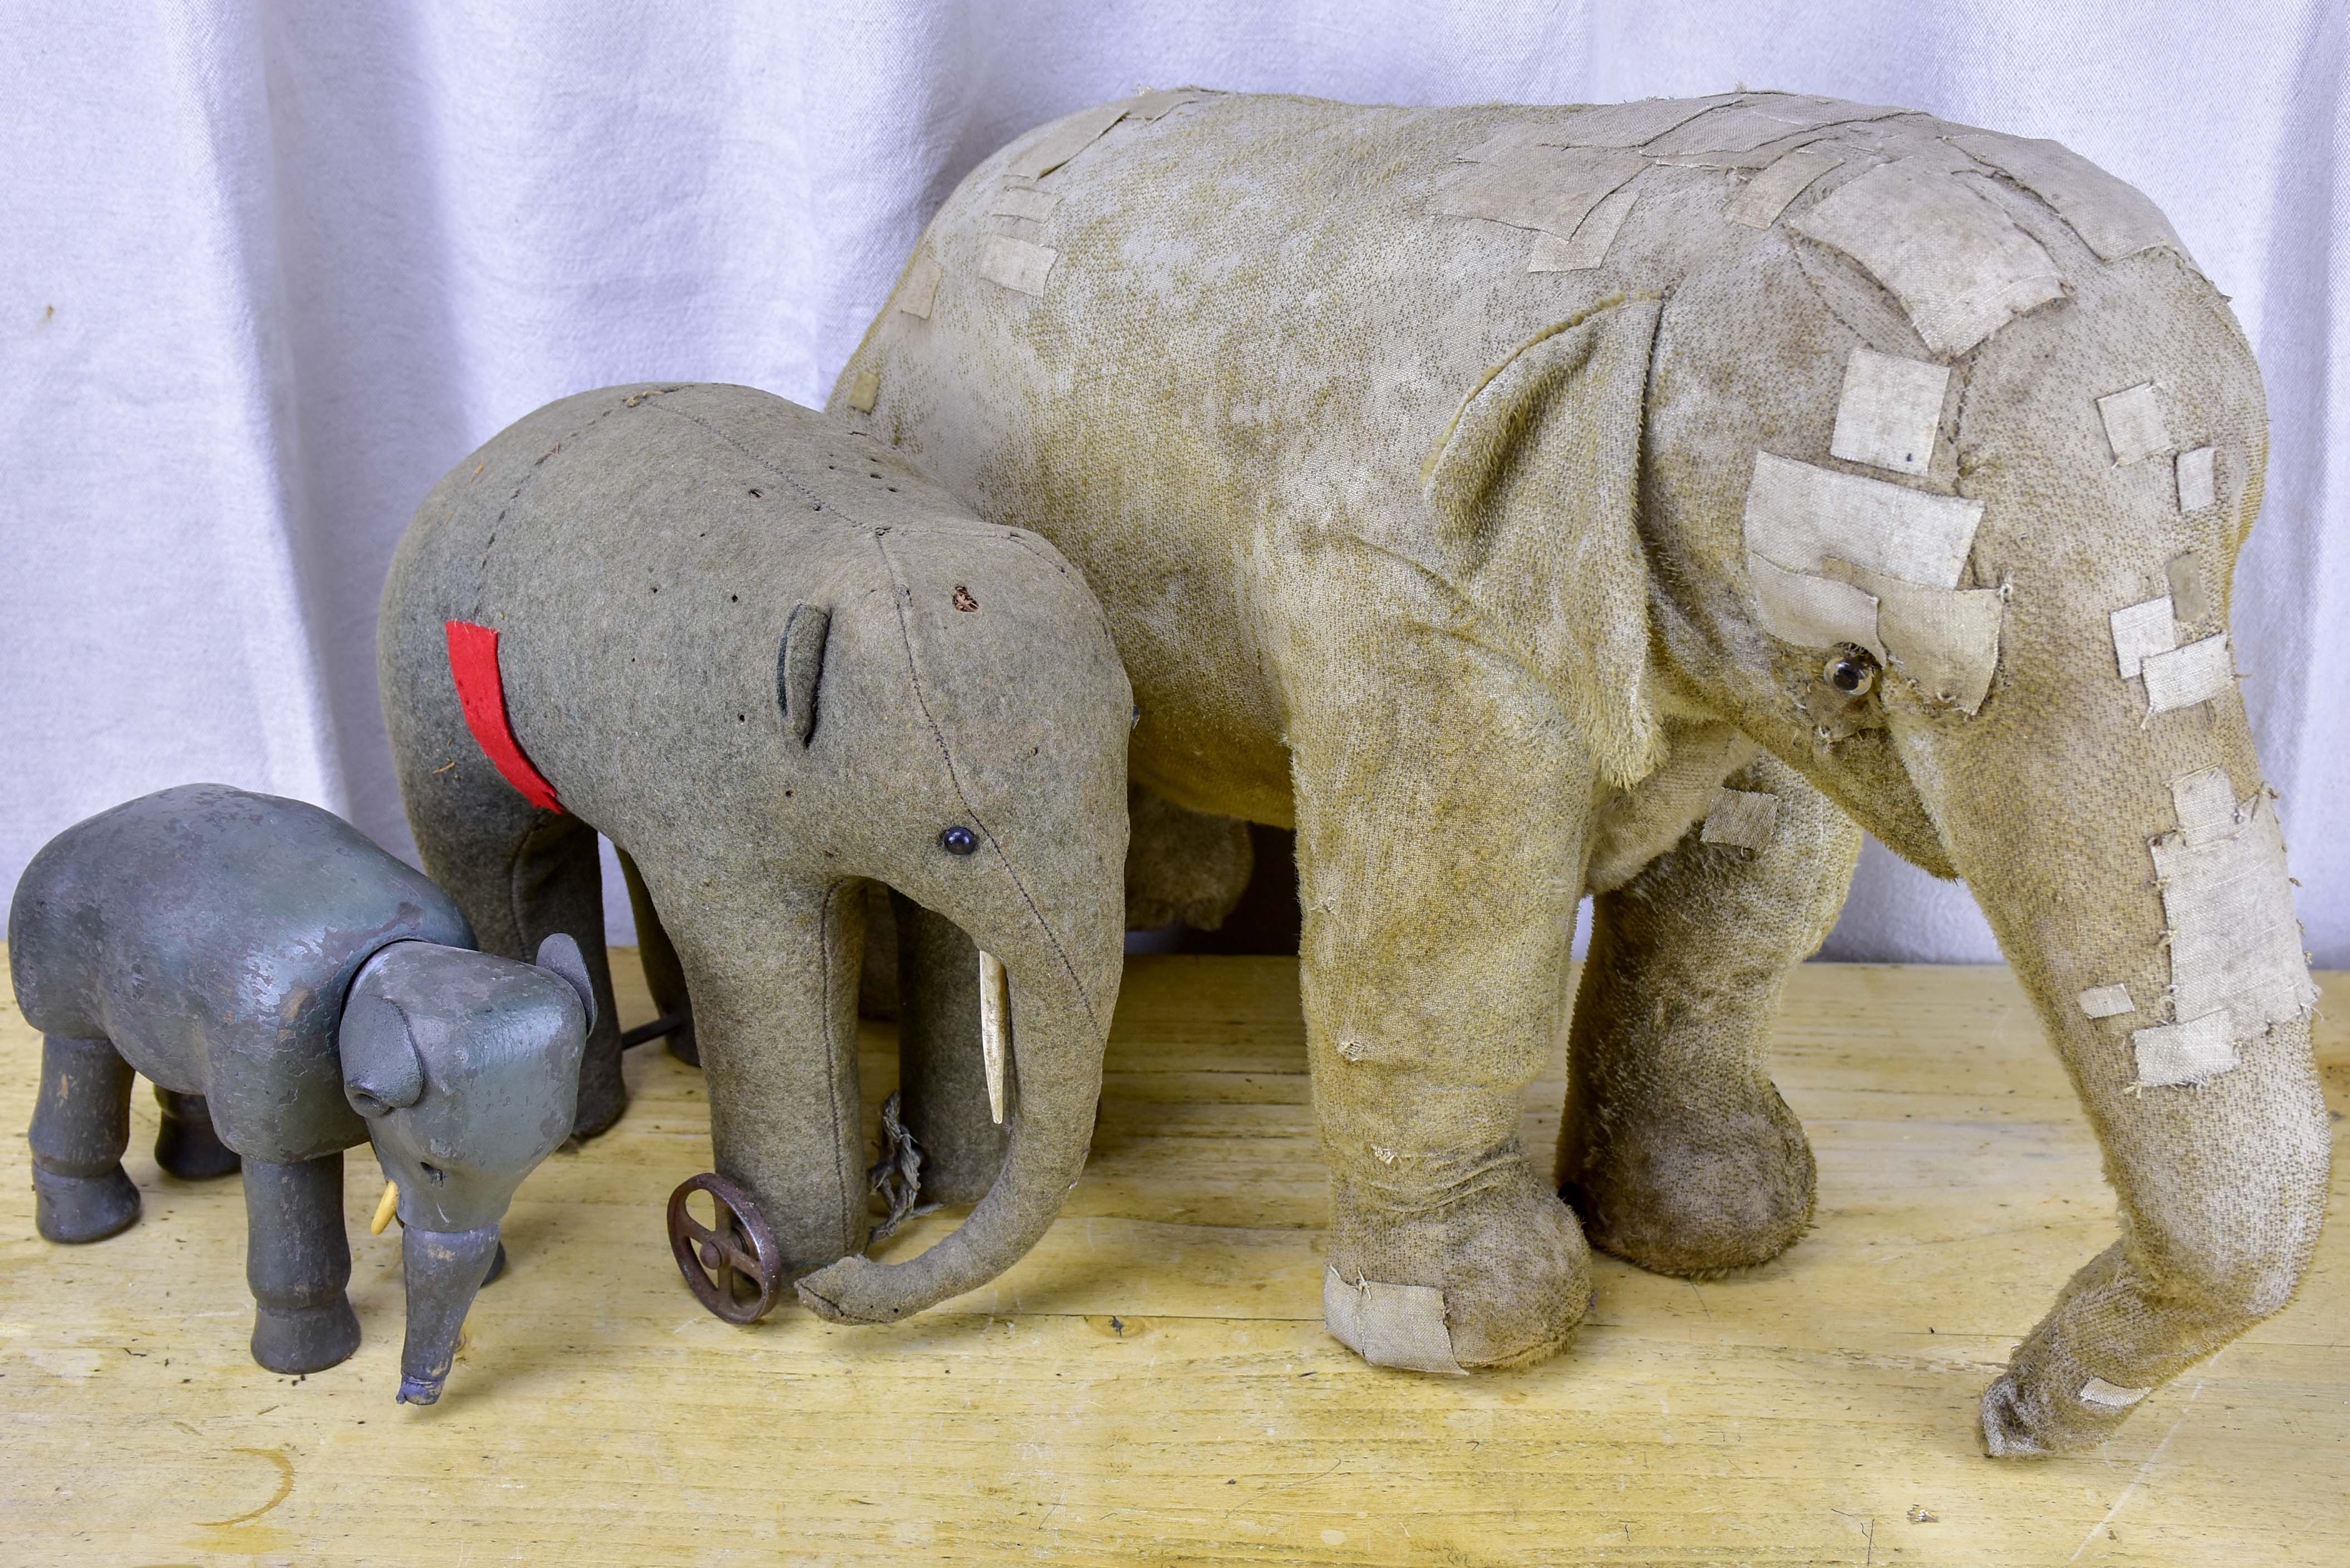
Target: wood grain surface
[{"x": 1153, "y": 1383}]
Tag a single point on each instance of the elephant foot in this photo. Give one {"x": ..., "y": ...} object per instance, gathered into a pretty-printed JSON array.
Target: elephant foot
[
  {"x": 1691, "y": 1189},
  {"x": 685, "y": 1046},
  {"x": 1492, "y": 1274},
  {"x": 185, "y": 1144},
  {"x": 2026, "y": 1416},
  {"x": 497, "y": 1267},
  {"x": 77, "y": 1209},
  {"x": 304, "y": 1339}
]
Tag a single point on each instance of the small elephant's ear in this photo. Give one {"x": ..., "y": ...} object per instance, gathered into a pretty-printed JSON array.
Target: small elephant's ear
[
  {"x": 799, "y": 666},
  {"x": 382, "y": 1069},
  {"x": 560, "y": 955},
  {"x": 1535, "y": 491}
]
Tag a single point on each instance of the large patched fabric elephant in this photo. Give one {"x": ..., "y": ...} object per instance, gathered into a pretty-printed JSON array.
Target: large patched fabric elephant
[
  {"x": 292, "y": 991},
  {"x": 1635, "y": 498},
  {"x": 776, "y": 665}
]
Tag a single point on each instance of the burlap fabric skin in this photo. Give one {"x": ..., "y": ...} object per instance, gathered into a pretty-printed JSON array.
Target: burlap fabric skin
[
  {"x": 774, "y": 665},
  {"x": 1483, "y": 488}
]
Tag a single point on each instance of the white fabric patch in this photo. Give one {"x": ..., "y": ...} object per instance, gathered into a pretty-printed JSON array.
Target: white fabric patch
[
  {"x": 2188, "y": 601},
  {"x": 2141, "y": 631},
  {"x": 2186, "y": 675},
  {"x": 1016, "y": 263},
  {"x": 1549, "y": 189},
  {"x": 2187, "y": 1053},
  {"x": 1153, "y": 104},
  {"x": 2235, "y": 946},
  {"x": 1025, "y": 202},
  {"x": 2206, "y": 802},
  {"x": 1390, "y": 1325},
  {"x": 1890, "y": 412},
  {"x": 2097, "y": 1391},
  {"x": 1765, "y": 196},
  {"x": 1812, "y": 611},
  {"x": 920, "y": 289},
  {"x": 1762, "y": 118},
  {"x": 2133, "y": 426},
  {"x": 1959, "y": 265},
  {"x": 2112, "y": 218},
  {"x": 1799, "y": 517},
  {"x": 2198, "y": 479},
  {"x": 1945, "y": 639},
  {"x": 2107, "y": 1002},
  {"x": 1588, "y": 247},
  {"x": 1740, "y": 818},
  {"x": 1626, "y": 124},
  {"x": 1063, "y": 142}
]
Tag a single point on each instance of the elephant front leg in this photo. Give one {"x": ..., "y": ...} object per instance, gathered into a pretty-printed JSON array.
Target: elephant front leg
[
  {"x": 298, "y": 1259},
  {"x": 1441, "y": 812},
  {"x": 1676, "y": 1149},
  {"x": 774, "y": 982},
  {"x": 81, "y": 1125}
]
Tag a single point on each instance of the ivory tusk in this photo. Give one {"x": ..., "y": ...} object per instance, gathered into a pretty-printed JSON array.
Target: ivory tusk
[
  {"x": 385, "y": 1209},
  {"x": 995, "y": 1027}
]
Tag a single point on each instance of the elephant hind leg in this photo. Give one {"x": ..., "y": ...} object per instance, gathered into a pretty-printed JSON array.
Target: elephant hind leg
[
  {"x": 298, "y": 1259},
  {"x": 81, "y": 1125},
  {"x": 520, "y": 874},
  {"x": 664, "y": 975},
  {"x": 1676, "y": 1148},
  {"x": 185, "y": 1144},
  {"x": 1440, "y": 832}
]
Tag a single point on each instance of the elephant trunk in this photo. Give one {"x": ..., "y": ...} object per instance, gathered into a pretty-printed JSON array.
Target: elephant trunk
[
  {"x": 2134, "y": 871},
  {"x": 1058, "y": 1036},
  {"x": 442, "y": 1270}
]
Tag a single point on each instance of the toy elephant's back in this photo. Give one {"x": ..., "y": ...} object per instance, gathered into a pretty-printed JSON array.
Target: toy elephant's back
[
  {"x": 1196, "y": 326},
  {"x": 639, "y": 551},
  {"x": 1153, "y": 297},
  {"x": 206, "y": 930}
]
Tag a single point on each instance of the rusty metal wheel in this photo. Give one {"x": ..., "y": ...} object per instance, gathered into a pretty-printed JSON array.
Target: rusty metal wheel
[{"x": 734, "y": 1267}]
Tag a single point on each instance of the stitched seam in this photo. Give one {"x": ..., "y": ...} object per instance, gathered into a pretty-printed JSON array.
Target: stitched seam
[
  {"x": 849, "y": 1203},
  {"x": 900, "y": 591},
  {"x": 482, "y": 566},
  {"x": 840, "y": 513},
  {"x": 1099, "y": 618},
  {"x": 768, "y": 463}
]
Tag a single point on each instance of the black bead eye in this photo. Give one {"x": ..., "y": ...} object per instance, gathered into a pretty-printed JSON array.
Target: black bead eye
[
  {"x": 959, "y": 840},
  {"x": 1851, "y": 671}
]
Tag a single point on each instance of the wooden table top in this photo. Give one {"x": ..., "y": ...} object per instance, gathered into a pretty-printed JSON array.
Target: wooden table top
[{"x": 1153, "y": 1383}]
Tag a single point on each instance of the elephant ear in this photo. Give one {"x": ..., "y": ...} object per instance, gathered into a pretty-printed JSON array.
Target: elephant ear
[
  {"x": 560, "y": 956},
  {"x": 1535, "y": 491},
  {"x": 382, "y": 1070}
]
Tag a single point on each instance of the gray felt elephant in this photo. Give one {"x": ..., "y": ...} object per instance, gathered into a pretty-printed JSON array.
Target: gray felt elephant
[
  {"x": 1635, "y": 498},
  {"x": 291, "y": 990},
  {"x": 775, "y": 665}
]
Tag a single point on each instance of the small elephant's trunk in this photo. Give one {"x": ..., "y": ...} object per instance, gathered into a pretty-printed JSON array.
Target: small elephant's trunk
[
  {"x": 444, "y": 1270},
  {"x": 1058, "y": 1043}
]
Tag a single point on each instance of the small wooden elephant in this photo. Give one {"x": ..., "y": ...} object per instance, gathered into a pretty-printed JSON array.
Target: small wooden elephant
[{"x": 292, "y": 991}]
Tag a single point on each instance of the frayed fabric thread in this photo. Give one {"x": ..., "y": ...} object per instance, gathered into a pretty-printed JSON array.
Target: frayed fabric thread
[{"x": 897, "y": 1175}]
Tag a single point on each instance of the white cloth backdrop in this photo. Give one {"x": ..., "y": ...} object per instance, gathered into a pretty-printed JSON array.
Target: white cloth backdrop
[{"x": 267, "y": 268}]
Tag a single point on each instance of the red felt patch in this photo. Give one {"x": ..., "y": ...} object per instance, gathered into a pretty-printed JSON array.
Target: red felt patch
[{"x": 473, "y": 664}]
